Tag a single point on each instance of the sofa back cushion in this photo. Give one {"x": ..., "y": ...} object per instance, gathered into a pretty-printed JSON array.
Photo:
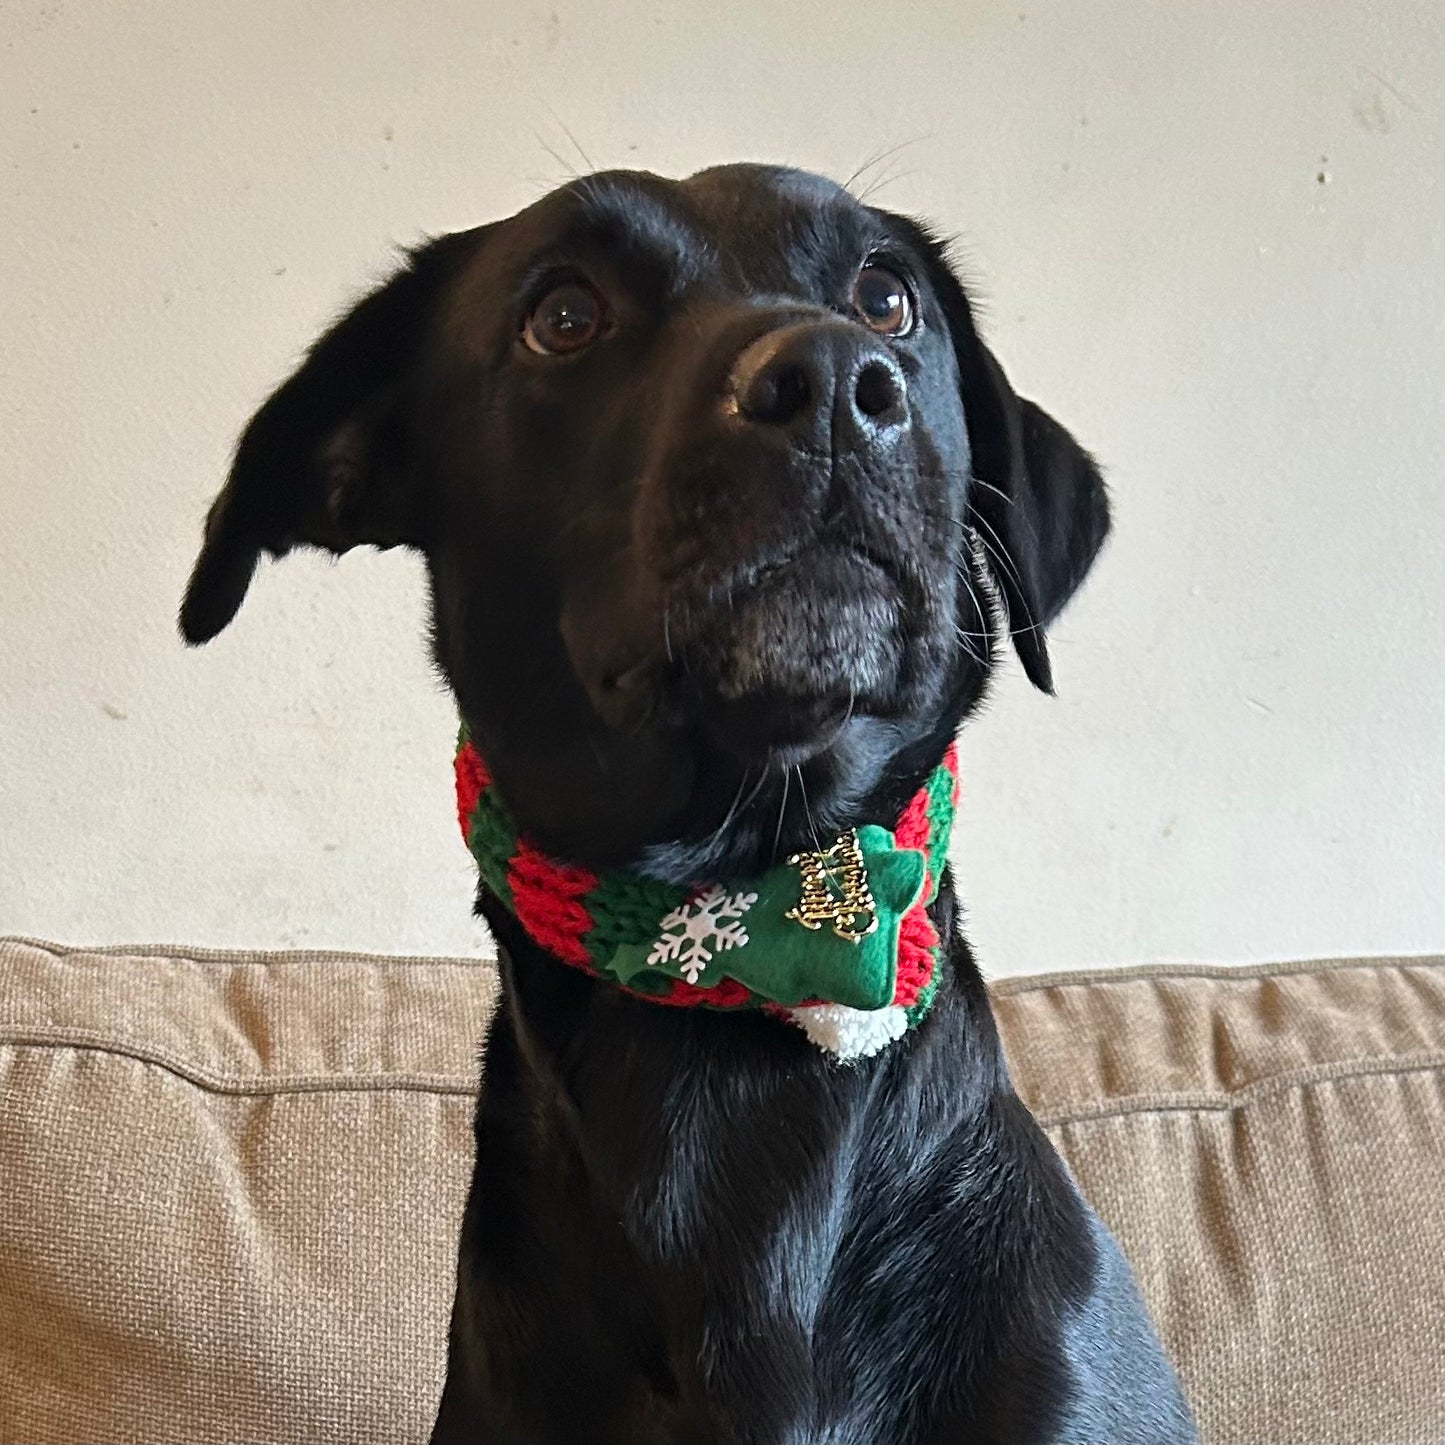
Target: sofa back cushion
[{"x": 230, "y": 1185}]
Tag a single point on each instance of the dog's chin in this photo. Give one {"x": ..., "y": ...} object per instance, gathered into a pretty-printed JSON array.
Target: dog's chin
[
  {"x": 743, "y": 818},
  {"x": 793, "y": 655},
  {"x": 776, "y": 729}
]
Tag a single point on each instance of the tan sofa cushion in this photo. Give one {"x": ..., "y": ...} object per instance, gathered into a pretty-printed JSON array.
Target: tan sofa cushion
[
  {"x": 230, "y": 1185},
  {"x": 1267, "y": 1145}
]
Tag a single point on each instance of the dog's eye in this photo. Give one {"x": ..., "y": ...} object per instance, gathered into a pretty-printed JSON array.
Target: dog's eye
[
  {"x": 883, "y": 301},
  {"x": 569, "y": 317}
]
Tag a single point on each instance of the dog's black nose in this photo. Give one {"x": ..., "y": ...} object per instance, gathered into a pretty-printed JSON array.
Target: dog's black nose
[{"x": 821, "y": 381}]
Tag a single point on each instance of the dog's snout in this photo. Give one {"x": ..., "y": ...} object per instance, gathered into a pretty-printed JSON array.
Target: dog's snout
[{"x": 818, "y": 380}]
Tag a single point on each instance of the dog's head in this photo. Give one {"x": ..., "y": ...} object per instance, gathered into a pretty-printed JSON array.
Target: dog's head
[{"x": 717, "y": 488}]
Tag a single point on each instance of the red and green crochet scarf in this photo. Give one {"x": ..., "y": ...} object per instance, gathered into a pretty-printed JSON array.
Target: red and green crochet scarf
[{"x": 839, "y": 942}]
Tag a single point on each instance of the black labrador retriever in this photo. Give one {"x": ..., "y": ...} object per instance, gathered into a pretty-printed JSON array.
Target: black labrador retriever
[{"x": 724, "y": 506}]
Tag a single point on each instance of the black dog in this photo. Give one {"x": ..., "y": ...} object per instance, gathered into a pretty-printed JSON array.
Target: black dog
[{"x": 723, "y": 503}]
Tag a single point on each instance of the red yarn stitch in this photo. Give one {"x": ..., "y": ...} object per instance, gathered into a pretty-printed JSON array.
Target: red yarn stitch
[
  {"x": 912, "y": 829},
  {"x": 917, "y": 938},
  {"x": 472, "y": 778},
  {"x": 544, "y": 898},
  {"x": 725, "y": 993}
]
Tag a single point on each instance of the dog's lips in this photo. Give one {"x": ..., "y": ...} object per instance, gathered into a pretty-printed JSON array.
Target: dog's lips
[
  {"x": 790, "y": 647},
  {"x": 859, "y": 557},
  {"x": 766, "y": 660}
]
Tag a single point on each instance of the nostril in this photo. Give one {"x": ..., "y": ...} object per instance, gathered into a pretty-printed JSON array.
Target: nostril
[
  {"x": 878, "y": 393},
  {"x": 777, "y": 394}
]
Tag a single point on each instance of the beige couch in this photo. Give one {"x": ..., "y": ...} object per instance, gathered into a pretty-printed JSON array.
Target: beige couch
[{"x": 230, "y": 1185}]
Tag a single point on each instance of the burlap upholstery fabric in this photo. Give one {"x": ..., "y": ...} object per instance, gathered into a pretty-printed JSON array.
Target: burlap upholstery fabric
[{"x": 230, "y": 1185}]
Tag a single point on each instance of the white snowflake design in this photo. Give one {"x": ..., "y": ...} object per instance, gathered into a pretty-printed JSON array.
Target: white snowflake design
[{"x": 705, "y": 927}]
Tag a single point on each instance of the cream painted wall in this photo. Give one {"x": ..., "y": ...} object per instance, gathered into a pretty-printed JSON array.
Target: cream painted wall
[{"x": 1208, "y": 235}]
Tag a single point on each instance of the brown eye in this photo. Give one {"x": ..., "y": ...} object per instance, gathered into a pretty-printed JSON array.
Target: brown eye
[
  {"x": 566, "y": 319},
  {"x": 883, "y": 302}
]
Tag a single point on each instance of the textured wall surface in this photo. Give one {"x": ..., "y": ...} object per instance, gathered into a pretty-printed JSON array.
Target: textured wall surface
[{"x": 1208, "y": 236}]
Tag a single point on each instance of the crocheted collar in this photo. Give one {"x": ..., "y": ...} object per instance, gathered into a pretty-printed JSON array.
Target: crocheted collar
[{"x": 838, "y": 942}]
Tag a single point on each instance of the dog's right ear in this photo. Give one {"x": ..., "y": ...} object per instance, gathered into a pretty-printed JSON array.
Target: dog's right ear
[{"x": 326, "y": 462}]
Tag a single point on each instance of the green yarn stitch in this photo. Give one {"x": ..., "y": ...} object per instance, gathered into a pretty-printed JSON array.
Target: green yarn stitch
[
  {"x": 493, "y": 838},
  {"x": 625, "y": 907}
]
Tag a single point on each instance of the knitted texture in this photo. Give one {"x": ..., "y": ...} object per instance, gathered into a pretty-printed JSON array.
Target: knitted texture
[{"x": 593, "y": 920}]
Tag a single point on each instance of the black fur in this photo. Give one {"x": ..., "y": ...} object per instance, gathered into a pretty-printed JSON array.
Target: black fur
[{"x": 703, "y": 590}]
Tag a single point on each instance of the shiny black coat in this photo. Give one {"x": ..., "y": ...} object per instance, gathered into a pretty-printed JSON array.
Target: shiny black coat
[{"x": 724, "y": 504}]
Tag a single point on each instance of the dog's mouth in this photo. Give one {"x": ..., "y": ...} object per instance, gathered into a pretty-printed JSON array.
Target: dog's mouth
[
  {"x": 763, "y": 659},
  {"x": 862, "y": 560},
  {"x": 770, "y": 660}
]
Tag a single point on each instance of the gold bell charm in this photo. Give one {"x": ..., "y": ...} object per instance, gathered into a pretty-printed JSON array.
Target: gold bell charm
[{"x": 836, "y": 891}]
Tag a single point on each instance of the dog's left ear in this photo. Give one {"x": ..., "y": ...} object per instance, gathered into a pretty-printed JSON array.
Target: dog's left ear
[
  {"x": 326, "y": 460},
  {"x": 1037, "y": 504}
]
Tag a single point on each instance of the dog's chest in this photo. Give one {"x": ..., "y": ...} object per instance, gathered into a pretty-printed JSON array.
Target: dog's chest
[{"x": 796, "y": 1258}]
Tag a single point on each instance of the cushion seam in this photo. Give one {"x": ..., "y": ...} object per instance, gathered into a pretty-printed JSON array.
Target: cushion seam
[
  {"x": 210, "y": 1082},
  {"x": 1405, "y": 1064},
  {"x": 1002, "y": 988},
  {"x": 241, "y": 957},
  {"x": 1226, "y": 972},
  {"x": 213, "y": 1083}
]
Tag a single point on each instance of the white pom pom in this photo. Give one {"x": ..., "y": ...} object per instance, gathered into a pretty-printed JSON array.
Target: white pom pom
[{"x": 850, "y": 1033}]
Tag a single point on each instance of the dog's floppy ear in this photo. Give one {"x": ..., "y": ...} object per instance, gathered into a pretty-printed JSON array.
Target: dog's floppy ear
[
  {"x": 1038, "y": 505},
  {"x": 326, "y": 460}
]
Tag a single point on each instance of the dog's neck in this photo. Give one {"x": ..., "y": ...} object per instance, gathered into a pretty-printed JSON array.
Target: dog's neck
[{"x": 840, "y": 941}]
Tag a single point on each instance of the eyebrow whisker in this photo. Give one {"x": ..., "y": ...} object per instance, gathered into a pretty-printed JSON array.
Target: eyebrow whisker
[
  {"x": 576, "y": 144},
  {"x": 879, "y": 157},
  {"x": 569, "y": 170}
]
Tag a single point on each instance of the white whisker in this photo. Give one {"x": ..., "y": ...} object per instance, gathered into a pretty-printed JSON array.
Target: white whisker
[
  {"x": 807, "y": 811},
  {"x": 1003, "y": 560},
  {"x": 782, "y": 809},
  {"x": 989, "y": 487}
]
